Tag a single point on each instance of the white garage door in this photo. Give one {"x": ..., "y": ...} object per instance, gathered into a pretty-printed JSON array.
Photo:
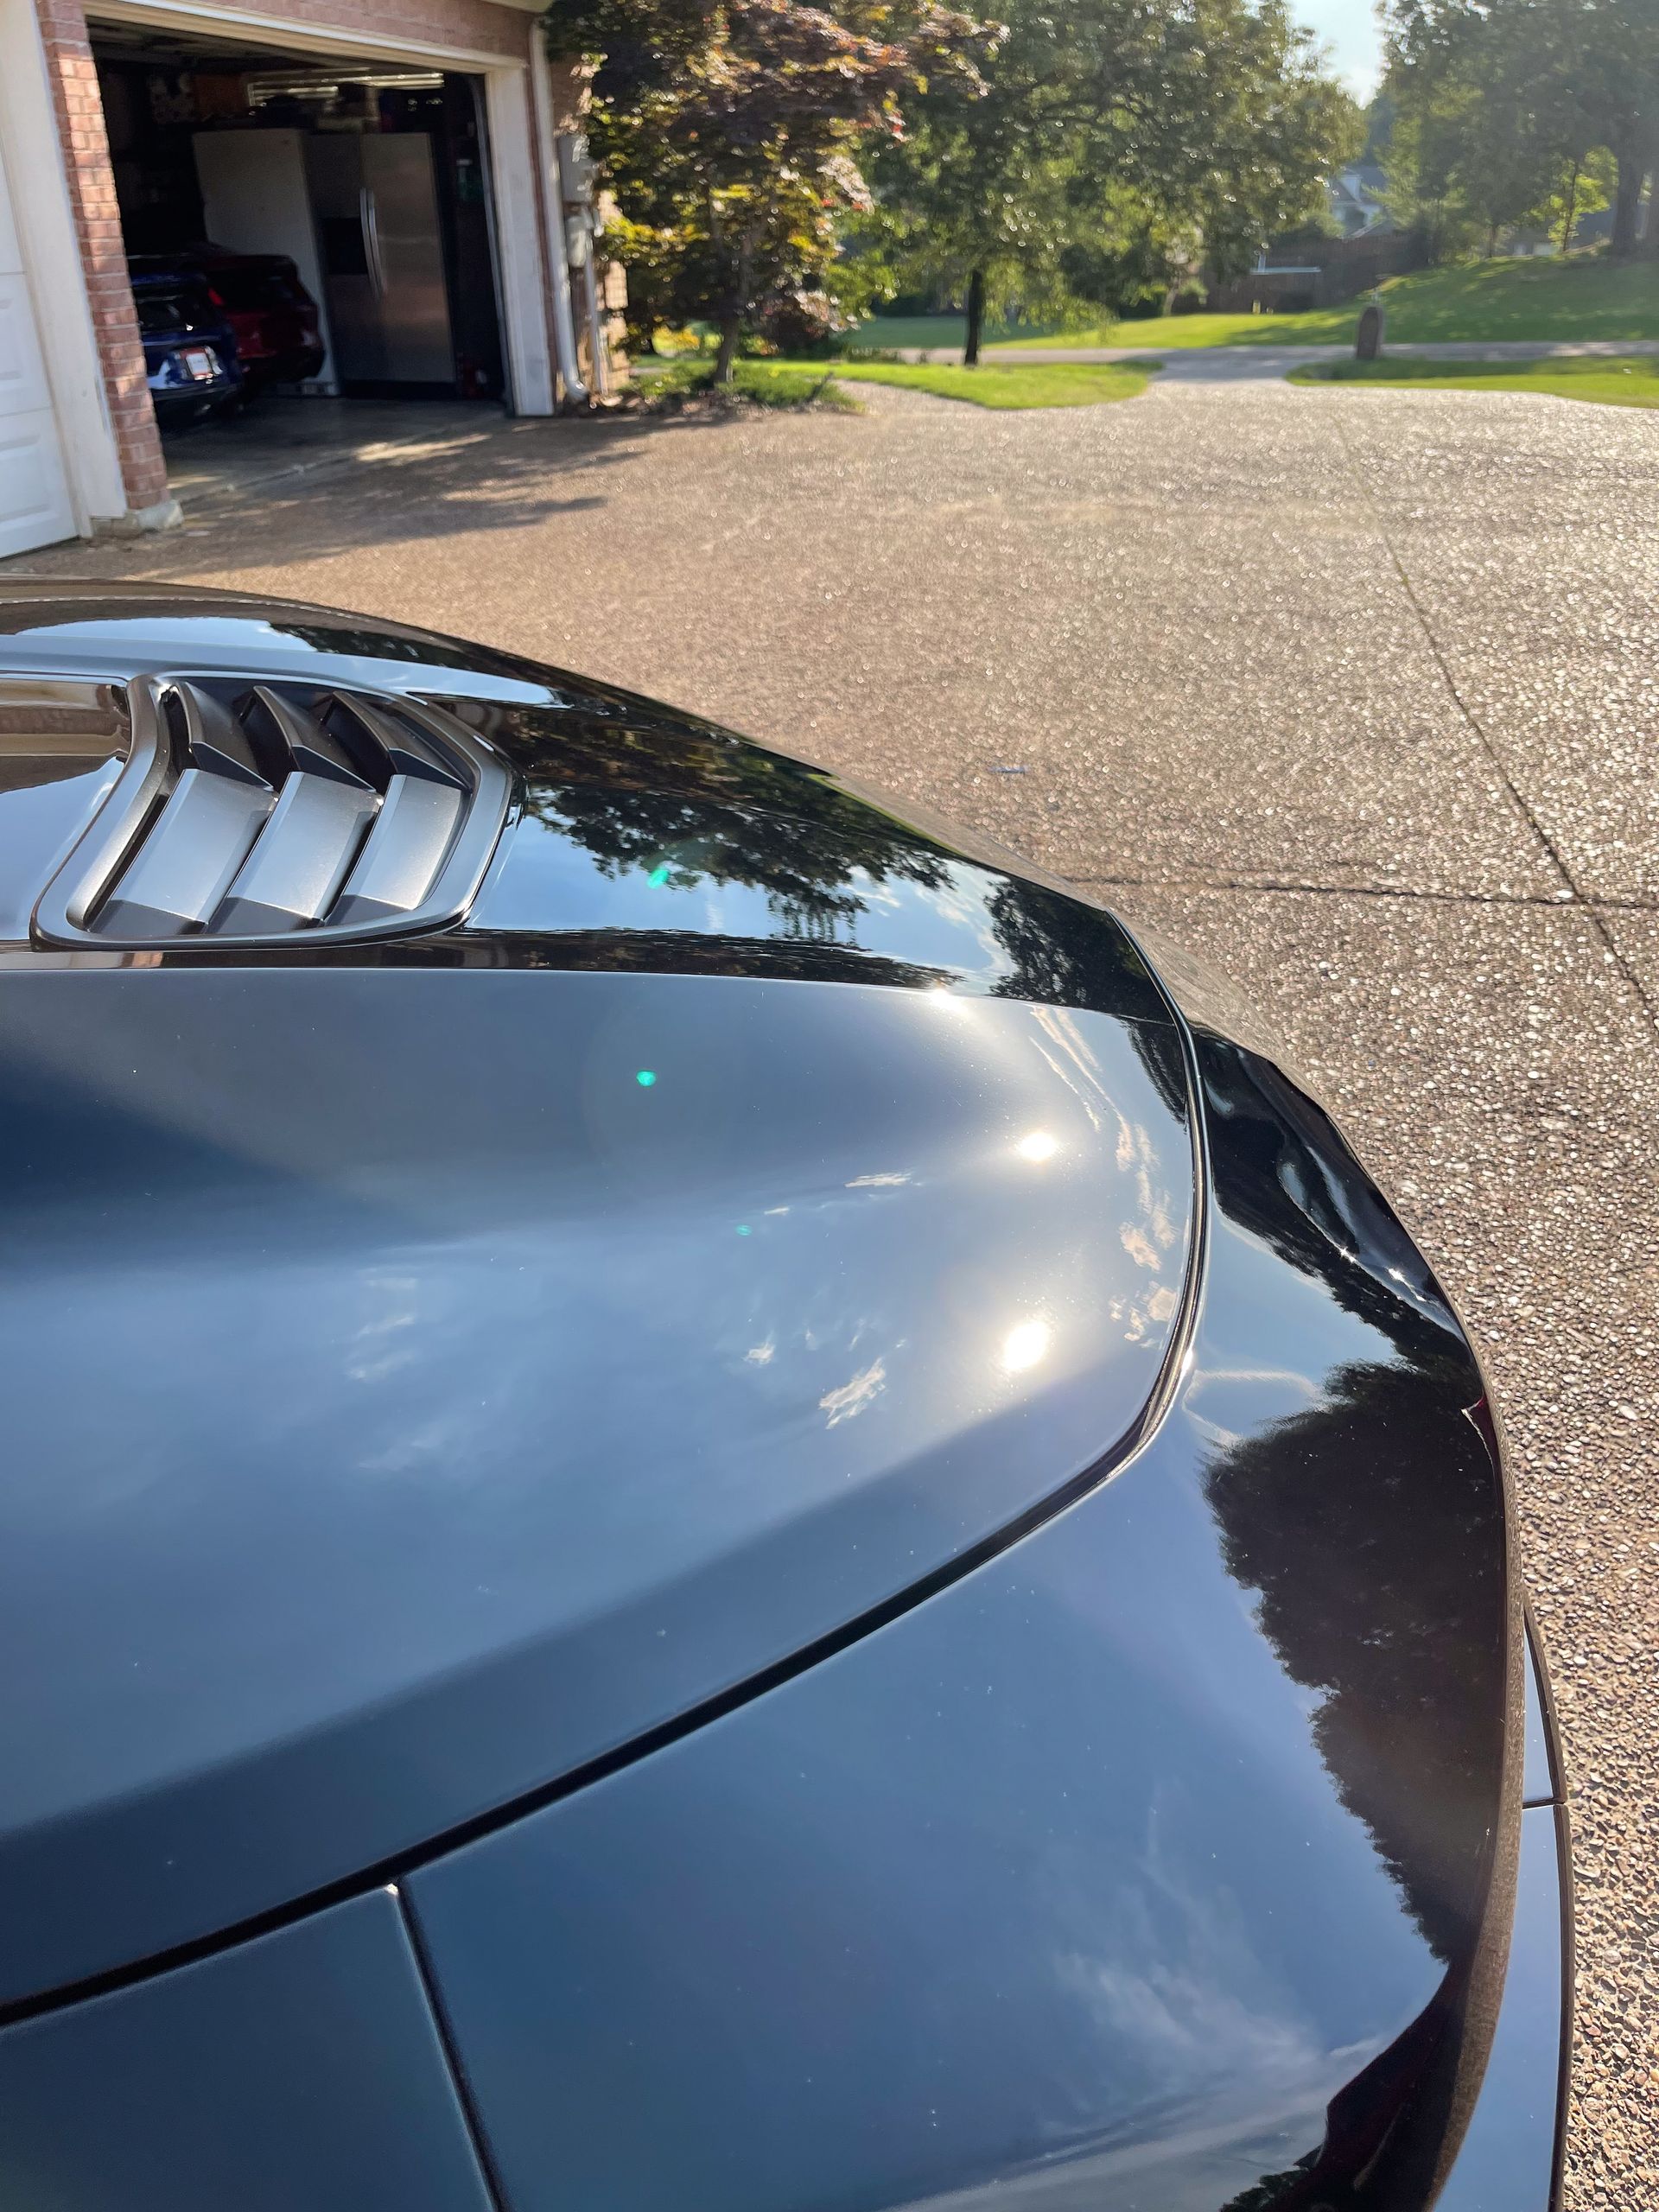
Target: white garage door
[{"x": 34, "y": 498}]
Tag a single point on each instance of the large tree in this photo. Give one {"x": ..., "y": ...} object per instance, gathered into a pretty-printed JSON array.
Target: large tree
[
  {"x": 1509, "y": 111},
  {"x": 1165, "y": 129},
  {"x": 1620, "y": 47},
  {"x": 729, "y": 130}
]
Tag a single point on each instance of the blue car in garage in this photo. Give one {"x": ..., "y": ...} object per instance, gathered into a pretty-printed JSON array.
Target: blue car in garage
[{"x": 190, "y": 353}]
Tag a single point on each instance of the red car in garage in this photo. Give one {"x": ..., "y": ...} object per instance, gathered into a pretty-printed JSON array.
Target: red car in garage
[{"x": 278, "y": 336}]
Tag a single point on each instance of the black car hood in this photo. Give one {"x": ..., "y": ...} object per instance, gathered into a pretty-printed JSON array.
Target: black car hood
[
  {"x": 1159, "y": 1865},
  {"x": 767, "y": 1318},
  {"x": 436, "y": 1364}
]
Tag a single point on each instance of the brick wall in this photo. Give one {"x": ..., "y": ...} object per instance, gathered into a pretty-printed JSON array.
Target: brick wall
[
  {"x": 568, "y": 82},
  {"x": 480, "y": 24},
  {"x": 98, "y": 222}
]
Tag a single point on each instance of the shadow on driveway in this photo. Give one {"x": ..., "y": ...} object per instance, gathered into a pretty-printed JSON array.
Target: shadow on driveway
[{"x": 459, "y": 478}]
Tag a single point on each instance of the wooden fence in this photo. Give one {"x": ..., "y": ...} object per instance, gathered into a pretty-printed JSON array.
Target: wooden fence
[{"x": 1321, "y": 273}]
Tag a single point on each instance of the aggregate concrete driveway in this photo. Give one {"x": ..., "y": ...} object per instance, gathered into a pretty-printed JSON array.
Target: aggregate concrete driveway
[{"x": 1357, "y": 692}]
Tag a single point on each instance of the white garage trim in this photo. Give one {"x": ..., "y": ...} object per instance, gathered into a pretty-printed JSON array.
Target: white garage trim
[
  {"x": 518, "y": 247},
  {"x": 512, "y": 171},
  {"x": 51, "y": 257},
  {"x": 303, "y": 37}
]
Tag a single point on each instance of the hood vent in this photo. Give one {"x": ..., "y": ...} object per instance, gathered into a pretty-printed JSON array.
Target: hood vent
[{"x": 246, "y": 813}]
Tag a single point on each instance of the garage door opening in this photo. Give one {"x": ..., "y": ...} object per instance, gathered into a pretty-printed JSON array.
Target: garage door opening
[{"x": 311, "y": 245}]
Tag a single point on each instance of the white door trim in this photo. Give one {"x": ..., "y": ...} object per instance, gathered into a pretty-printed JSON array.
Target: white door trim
[{"x": 51, "y": 257}]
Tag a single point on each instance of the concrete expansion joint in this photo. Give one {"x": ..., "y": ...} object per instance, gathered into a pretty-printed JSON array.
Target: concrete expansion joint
[
  {"x": 1572, "y": 892},
  {"x": 1356, "y": 890}
]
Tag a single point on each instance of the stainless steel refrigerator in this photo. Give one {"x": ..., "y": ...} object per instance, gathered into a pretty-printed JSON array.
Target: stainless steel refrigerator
[{"x": 377, "y": 207}]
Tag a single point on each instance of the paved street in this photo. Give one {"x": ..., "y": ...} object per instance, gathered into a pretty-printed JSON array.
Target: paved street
[
  {"x": 1357, "y": 692},
  {"x": 1208, "y": 363}
]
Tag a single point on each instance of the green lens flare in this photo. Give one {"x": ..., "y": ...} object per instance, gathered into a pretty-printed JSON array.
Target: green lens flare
[
  {"x": 645, "y": 1077},
  {"x": 658, "y": 877}
]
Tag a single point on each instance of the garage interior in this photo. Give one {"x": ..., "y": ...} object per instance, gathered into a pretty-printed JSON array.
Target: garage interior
[{"x": 371, "y": 176}]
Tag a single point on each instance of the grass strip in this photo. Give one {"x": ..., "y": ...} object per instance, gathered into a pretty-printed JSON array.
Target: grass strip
[
  {"x": 1040, "y": 384},
  {"x": 1584, "y": 296},
  {"x": 1608, "y": 380}
]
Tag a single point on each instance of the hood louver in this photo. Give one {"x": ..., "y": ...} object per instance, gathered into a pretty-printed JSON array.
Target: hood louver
[{"x": 248, "y": 812}]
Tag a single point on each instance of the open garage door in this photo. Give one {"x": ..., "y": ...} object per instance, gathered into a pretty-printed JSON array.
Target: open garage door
[
  {"x": 355, "y": 190},
  {"x": 35, "y": 508},
  {"x": 312, "y": 241}
]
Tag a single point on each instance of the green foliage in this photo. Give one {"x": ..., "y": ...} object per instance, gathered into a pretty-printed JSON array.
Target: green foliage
[
  {"x": 1582, "y": 186},
  {"x": 728, "y": 132},
  {"x": 1379, "y": 126},
  {"x": 766, "y": 384},
  {"x": 1113, "y": 146},
  {"x": 1093, "y": 154},
  {"x": 945, "y": 333},
  {"x": 1515, "y": 114},
  {"x": 802, "y": 323}
]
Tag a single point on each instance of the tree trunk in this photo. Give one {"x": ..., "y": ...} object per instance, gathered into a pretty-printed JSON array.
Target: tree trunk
[
  {"x": 1572, "y": 215},
  {"x": 1632, "y": 161},
  {"x": 1647, "y": 245},
  {"x": 1491, "y": 240},
  {"x": 976, "y": 318},
  {"x": 737, "y": 304}
]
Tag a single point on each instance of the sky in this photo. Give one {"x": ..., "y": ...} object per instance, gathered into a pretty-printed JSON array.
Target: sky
[{"x": 1349, "y": 27}]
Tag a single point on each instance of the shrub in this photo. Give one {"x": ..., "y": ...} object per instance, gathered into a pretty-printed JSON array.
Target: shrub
[{"x": 801, "y": 324}]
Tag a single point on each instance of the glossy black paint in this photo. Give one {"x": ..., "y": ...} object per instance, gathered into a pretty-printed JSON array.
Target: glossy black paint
[
  {"x": 1509, "y": 2160},
  {"x": 1145, "y": 1865},
  {"x": 640, "y": 839},
  {"x": 894, "y": 1665},
  {"x": 303, "y": 2071},
  {"x": 466, "y": 1406}
]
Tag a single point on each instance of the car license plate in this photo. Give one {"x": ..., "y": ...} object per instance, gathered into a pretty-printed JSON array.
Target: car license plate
[{"x": 199, "y": 363}]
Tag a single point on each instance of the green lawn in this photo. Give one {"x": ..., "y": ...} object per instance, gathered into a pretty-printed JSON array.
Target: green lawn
[
  {"x": 1584, "y": 296},
  {"x": 898, "y": 331},
  {"x": 1041, "y": 383},
  {"x": 1614, "y": 382},
  {"x": 803, "y": 383},
  {"x": 769, "y": 383},
  {"x": 1325, "y": 327}
]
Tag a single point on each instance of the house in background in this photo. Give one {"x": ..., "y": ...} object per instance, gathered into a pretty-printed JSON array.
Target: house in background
[
  {"x": 420, "y": 160},
  {"x": 1307, "y": 270},
  {"x": 1355, "y": 197}
]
